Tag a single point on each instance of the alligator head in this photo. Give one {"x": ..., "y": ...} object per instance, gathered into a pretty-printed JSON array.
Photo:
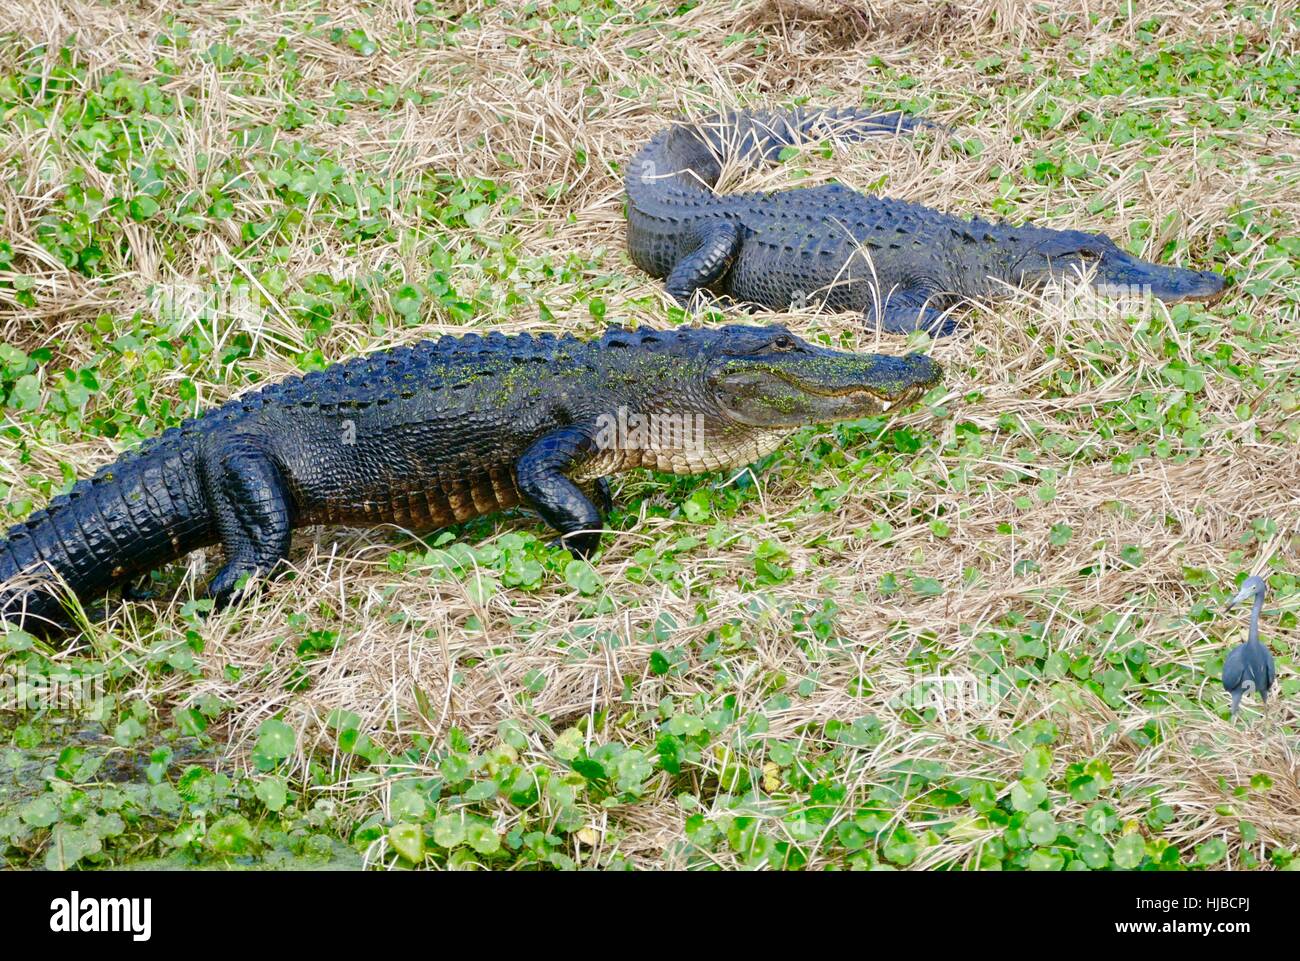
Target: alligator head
[
  {"x": 1055, "y": 255},
  {"x": 718, "y": 398},
  {"x": 766, "y": 378}
]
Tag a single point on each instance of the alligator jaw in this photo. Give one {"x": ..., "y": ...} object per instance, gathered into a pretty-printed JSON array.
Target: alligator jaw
[
  {"x": 1053, "y": 256},
  {"x": 819, "y": 386},
  {"x": 1168, "y": 284},
  {"x": 864, "y": 397},
  {"x": 1210, "y": 296}
]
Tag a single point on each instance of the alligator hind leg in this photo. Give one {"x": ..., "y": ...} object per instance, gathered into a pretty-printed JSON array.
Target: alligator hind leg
[
  {"x": 541, "y": 474},
  {"x": 904, "y": 312},
  {"x": 253, "y": 517},
  {"x": 707, "y": 263}
]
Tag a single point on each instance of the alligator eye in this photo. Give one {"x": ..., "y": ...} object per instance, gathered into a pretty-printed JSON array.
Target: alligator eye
[
  {"x": 783, "y": 342},
  {"x": 1088, "y": 254}
]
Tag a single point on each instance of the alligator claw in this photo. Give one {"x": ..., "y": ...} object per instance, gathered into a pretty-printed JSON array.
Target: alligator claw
[
  {"x": 581, "y": 544},
  {"x": 136, "y": 592},
  {"x": 944, "y": 327},
  {"x": 603, "y": 498}
]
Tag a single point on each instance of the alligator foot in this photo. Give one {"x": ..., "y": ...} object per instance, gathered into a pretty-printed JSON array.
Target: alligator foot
[
  {"x": 717, "y": 250},
  {"x": 582, "y": 544},
  {"x": 137, "y": 592},
  {"x": 224, "y": 588},
  {"x": 904, "y": 315},
  {"x": 600, "y": 495},
  {"x": 252, "y": 514},
  {"x": 542, "y": 475},
  {"x": 96, "y": 613}
]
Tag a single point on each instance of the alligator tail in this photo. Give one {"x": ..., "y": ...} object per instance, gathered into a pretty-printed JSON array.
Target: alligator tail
[
  {"x": 132, "y": 516},
  {"x": 687, "y": 158}
]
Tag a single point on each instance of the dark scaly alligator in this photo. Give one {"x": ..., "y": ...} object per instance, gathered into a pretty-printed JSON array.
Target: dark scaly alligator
[
  {"x": 434, "y": 434},
  {"x": 899, "y": 263}
]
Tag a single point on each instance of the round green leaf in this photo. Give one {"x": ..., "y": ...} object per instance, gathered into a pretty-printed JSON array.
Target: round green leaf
[
  {"x": 275, "y": 739},
  {"x": 408, "y": 841}
]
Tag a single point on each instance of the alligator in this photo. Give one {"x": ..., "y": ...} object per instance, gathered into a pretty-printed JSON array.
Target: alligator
[
  {"x": 904, "y": 266},
  {"x": 433, "y": 434}
]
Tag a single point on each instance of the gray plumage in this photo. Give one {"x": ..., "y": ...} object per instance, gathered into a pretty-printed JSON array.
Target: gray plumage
[{"x": 1249, "y": 666}]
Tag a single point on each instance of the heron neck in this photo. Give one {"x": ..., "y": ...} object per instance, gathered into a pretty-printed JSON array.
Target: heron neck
[{"x": 1253, "y": 635}]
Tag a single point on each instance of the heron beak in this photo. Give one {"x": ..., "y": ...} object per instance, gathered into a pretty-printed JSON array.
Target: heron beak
[
  {"x": 1248, "y": 592},
  {"x": 1236, "y": 700}
]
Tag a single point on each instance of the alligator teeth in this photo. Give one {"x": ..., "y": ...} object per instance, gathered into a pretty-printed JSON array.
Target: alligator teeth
[{"x": 884, "y": 405}]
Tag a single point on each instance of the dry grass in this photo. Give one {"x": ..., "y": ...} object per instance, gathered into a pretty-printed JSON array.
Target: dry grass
[{"x": 572, "y": 128}]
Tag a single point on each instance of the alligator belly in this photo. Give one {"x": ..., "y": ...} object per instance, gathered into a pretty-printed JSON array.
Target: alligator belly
[{"x": 440, "y": 502}]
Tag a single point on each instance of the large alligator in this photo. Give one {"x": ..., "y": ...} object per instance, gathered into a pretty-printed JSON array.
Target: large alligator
[
  {"x": 899, "y": 263},
  {"x": 433, "y": 434}
]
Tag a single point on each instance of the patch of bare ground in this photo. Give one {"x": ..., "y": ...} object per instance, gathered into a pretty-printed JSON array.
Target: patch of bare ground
[{"x": 844, "y": 23}]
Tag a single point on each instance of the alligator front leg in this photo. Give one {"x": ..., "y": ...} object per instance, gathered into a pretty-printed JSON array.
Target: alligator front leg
[
  {"x": 252, "y": 511},
  {"x": 707, "y": 264},
  {"x": 542, "y": 476},
  {"x": 904, "y": 311}
]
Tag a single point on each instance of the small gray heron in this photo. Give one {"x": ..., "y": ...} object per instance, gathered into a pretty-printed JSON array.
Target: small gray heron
[{"x": 1249, "y": 667}]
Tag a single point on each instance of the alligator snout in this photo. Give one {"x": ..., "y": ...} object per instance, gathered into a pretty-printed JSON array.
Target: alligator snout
[
  {"x": 1210, "y": 287},
  {"x": 1127, "y": 275},
  {"x": 1172, "y": 284},
  {"x": 923, "y": 371}
]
